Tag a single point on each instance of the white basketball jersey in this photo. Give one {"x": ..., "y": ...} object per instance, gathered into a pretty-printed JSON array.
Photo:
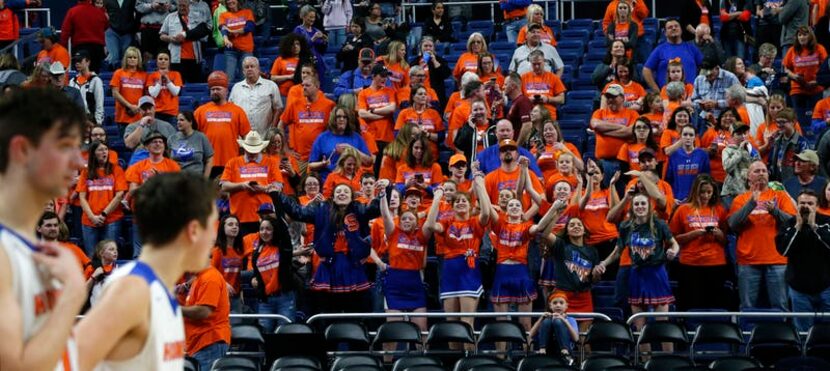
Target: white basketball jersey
[
  {"x": 164, "y": 348},
  {"x": 36, "y": 292}
]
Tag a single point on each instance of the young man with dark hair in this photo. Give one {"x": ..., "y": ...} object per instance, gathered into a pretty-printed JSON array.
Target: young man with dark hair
[
  {"x": 48, "y": 229},
  {"x": 137, "y": 324},
  {"x": 41, "y": 286}
]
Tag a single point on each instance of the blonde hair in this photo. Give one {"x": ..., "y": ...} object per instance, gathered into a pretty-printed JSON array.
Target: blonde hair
[
  {"x": 392, "y": 55},
  {"x": 137, "y": 53},
  {"x": 472, "y": 37},
  {"x": 531, "y": 10}
]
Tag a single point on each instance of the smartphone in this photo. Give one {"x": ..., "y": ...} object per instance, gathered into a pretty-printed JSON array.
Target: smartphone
[
  {"x": 253, "y": 183},
  {"x": 419, "y": 178},
  {"x": 710, "y": 228},
  {"x": 537, "y": 98}
]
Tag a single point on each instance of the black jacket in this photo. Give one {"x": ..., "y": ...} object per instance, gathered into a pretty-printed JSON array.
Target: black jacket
[
  {"x": 348, "y": 58},
  {"x": 437, "y": 77},
  {"x": 465, "y": 140},
  {"x": 442, "y": 33},
  {"x": 122, "y": 18},
  {"x": 808, "y": 255},
  {"x": 690, "y": 15}
]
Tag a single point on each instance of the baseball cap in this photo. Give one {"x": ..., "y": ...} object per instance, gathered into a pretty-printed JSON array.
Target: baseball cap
[
  {"x": 614, "y": 90},
  {"x": 646, "y": 152},
  {"x": 79, "y": 55},
  {"x": 266, "y": 208},
  {"x": 413, "y": 190},
  {"x": 379, "y": 69},
  {"x": 217, "y": 78},
  {"x": 507, "y": 143},
  {"x": 739, "y": 126},
  {"x": 47, "y": 33},
  {"x": 146, "y": 100},
  {"x": 366, "y": 55},
  {"x": 808, "y": 155},
  {"x": 456, "y": 158}
]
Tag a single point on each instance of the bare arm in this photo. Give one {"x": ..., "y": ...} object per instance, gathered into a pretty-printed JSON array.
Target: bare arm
[
  {"x": 388, "y": 219},
  {"x": 483, "y": 198},
  {"x": 197, "y": 311},
  {"x": 208, "y": 166},
  {"x": 432, "y": 216},
  {"x": 648, "y": 77}
]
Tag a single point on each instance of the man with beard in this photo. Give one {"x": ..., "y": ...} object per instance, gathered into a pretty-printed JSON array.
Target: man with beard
[
  {"x": 507, "y": 174},
  {"x": 305, "y": 118},
  {"x": 49, "y": 228},
  {"x": 489, "y": 158},
  {"x": 755, "y": 216},
  {"x": 222, "y": 122}
]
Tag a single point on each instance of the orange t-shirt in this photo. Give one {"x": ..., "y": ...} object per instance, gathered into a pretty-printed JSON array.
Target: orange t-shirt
[
  {"x": 235, "y": 21},
  {"x": 511, "y": 240},
  {"x": 371, "y": 98},
  {"x": 377, "y": 232},
  {"x": 669, "y": 137},
  {"x": 293, "y": 164},
  {"x": 398, "y": 75},
  {"x": 665, "y": 189},
  {"x": 80, "y": 255},
  {"x": 547, "y": 160},
  {"x": 547, "y": 36},
  {"x": 638, "y": 14},
  {"x": 632, "y": 91},
  {"x": 208, "y": 290},
  {"x": 166, "y": 102},
  {"x": 608, "y": 147},
  {"x": 268, "y": 264},
  {"x": 452, "y": 103},
  {"x": 721, "y": 138},
  {"x": 101, "y": 191},
  {"x": 467, "y": 62},
  {"x": 230, "y": 264},
  {"x": 131, "y": 87},
  {"x": 630, "y": 153},
  {"x": 388, "y": 168},
  {"x": 223, "y": 125},
  {"x": 407, "y": 250},
  {"x": 244, "y": 204},
  {"x": 89, "y": 270},
  {"x": 461, "y": 236},
  {"x": 284, "y": 66},
  {"x": 445, "y": 214},
  {"x": 429, "y": 120},
  {"x": 140, "y": 171},
  {"x": 305, "y": 121},
  {"x": 57, "y": 54},
  {"x": 756, "y": 239},
  {"x": 336, "y": 178},
  {"x": 402, "y": 96},
  {"x": 546, "y": 84},
  {"x": 432, "y": 175},
  {"x": 499, "y": 179},
  {"x": 705, "y": 250},
  {"x": 807, "y": 65},
  {"x": 704, "y": 12},
  {"x": 594, "y": 216}
]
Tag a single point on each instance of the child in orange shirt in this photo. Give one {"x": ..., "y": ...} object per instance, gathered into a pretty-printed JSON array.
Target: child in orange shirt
[{"x": 106, "y": 253}]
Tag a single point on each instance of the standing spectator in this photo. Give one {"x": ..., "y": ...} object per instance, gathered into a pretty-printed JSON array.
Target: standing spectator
[
  {"x": 291, "y": 55},
  {"x": 735, "y": 26},
  {"x": 755, "y": 216},
  {"x": 623, "y": 27},
  {"x": 249, "y": 178},
  {"x": 57, "y": 73},
  {"x": 396, "y": 65},
  {"x": 337, "y": 14},
  {"x": 436, "y": 68},
  {"x": 165, "y": 86},
  {"x": 152, "y": 13},
  {"x": 536, "y": 15},
  {"x": 274, "y": 295},
  {"x": 237, "y": 27},
  {"x": 468, "y": 61},
  {"x": 184, "y": 31},
  {"x": 801, "y": 64},
  {"x": 736, "y": 158},
  {"x": 418, "y": 167},
  {"x": 520, "y": 108},
  {"x": 793, "y": 15},
  {"x": 316, "y": 39},
  {"x": 714, "y": 141},
  {"x": 439, "y": 26},
  {"x": 711, "y": 48},
  {"x": 654, "y": 70},
  {"x": 122, "y": 27},
  {"x": 127, "y": 86},
  {"x": 605, "y": 72},
  {"x": 216, "y": 34},
  {"x": 355, "y": 80},
  {"x": 222, "y": 122},
  {"x": 489, "y": 158},
  {"x": 686, "y": 164},
  {"x": 206, "y": 310},
  {"x": 305, "y": 118},
  {"x": 376, "y": 107},
  {"x": 101, "y": 188},
  {"x": 611, "y": 126},
  {"x": 639, "y": 12},
  {"x": 9, "y": 24},
  {"x": 90, "y": 86},
  {"x": 515, "y": 17},
  {"x": 351, "y": 51},
  {"x": 231, "y": 258},
  {"x": 545, "y": 87},
  {"x": 768, "y": 29},
  {"x": 803, "y": 240},
  {"x": 84, "y": 26},
  {"x": 699, "y": 225},
  {"x": 341, "y": 133},
  {"x": 709, "y": 96},
  {"x": 375, "y": 26},
  {"x": 420, "y": 113},
  {"x": 258, "y": 97},
  {"x": 806, "y": 169},
  {"x": 521, "y": 61},
  {"x": 52, "y": 51},
  {"x": 694, "y": 13},
  {"x": 189, "y": 147},
  {"x": 785, "y": 147}
]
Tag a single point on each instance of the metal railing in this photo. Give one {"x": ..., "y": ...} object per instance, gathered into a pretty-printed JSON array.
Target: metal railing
[
  {"x": 734, "y": 315},
  {"x": 262, "y": 316},
  {"x": 407, "y": 316},
  {"x": 36, "y": 10}
]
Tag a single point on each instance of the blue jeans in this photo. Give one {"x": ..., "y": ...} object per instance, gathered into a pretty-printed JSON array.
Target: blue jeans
[
  {"x": 735, "y": 47},
  {"x": 136, "y": 242},
  {"x": 233, "y": 63},
  {"x": 207, "y": 355},
  {"x": 337, "y": 37},
  {"x": 116, "y": 45},
  {"x": 749, "y": 281},
  {"x": 280, "y": 303},
  {"x": 560, "y": 333},
  {"x": 512, "y": 29},
  {"x": 93, "y": 235},
  {"x": 809, "y": 303},
  {"x": 803, "y": 105}
]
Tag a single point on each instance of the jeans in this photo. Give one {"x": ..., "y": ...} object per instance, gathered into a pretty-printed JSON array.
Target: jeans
[
  {"x": 116, "y": 45},
  {"x": 512, "y": 29},
  {"x": 136, "y": 242},
  {"x": 803, "y": 105},
  {"x": 555, "y": 329},
  {"x": 207, "y": 355},
  {"x": 749, "y": 281},
  {"x": 233, "y": 63},
  {"x": 337, "y": 37},
  {"x": 281, "y": 303},
  {"x": 809, "y": 303},
  {"x": 93, "y": 235},
  {"x": 735, "y": 47}
]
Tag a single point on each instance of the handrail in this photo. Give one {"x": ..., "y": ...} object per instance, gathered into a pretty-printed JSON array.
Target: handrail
[
  {"x": 258, "y": 316},
  {"x": 28, "y": 10},
  {"x": 728, "y": 314},
  {"x": 406, "y": 316},
  {"x": 13, "y": 45}
]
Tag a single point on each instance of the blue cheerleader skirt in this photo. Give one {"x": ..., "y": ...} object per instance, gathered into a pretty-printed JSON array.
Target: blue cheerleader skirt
[
  {"x": 459, "y": 280},
  {"x": 512, "y": 284},
  {"x": 404, "y": 289},
  {"x": 340, "y": 275},
  {"x": 649, "y": 285},
  {"x": 546, "y": 276}
]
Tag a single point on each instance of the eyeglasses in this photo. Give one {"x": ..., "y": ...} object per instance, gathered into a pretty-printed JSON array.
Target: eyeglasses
[
  {"x": 641, "y": 128},
  {"x": 475, "y": 42},
  {"x": 419, "y": 75}
]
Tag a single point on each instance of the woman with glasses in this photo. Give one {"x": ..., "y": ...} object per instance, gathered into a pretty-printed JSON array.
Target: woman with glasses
[
  {"x": 340, "y": 135},
  {"x": 536, "y": 15},
  {"x": 468, "y": 61},
  {"x": 641, "y": 138}
]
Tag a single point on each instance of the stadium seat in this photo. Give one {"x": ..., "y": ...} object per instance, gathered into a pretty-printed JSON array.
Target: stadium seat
[
  {"x": 715, "y": 338},
  {"x": 405, "y": 363},
  {"x": 467, "y": 363},
  {"x": 424, "y": 368},
  {"x": 667, "y": 362},
  {"x": 190, "y": 364},
  {"x": 580, "y": 24},
  {"x": 737, "y": 363},
  {"x": 344, "y": 362},
  {"x": 234, "y": 364},
  {"x": 570, "y": 44},
  {"x": 770, "y": 342},
  {"x": 442, "y": 333},
  {"x": 349, "y": 333},
  {"x": 608, "y": 337},
  {"x": 538, "y": 361},
  {"x": 663, "y": 332},
  {"x": 294, "y": 328},
  {"x": 295, "y": 361},
  {"x": 502, "y": 331},
  {"x": 818, "y": 341},
  {"x": 601, "y": 363},
  {"x": 491, "y": 368},
  {"x": 615, "y": 313},
  {"x": 579, "y": 35},
  {"x": 397, "y": 332},
  {"x": 501, "y": 46}
]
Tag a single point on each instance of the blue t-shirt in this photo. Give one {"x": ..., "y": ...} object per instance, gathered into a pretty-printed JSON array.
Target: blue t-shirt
[
  {"x": 683, "y": 168},
  {"x": 325, "y": 145},
  {"x": 489, "y": 160},
  {"x": 658, "y": 61}
]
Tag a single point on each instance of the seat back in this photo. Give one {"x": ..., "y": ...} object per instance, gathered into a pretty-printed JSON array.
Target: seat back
[
  {"x": 234, "y": 363},
  {"x": 667, "y": 362},
  {"x": 737, "y": 363},
  {"x": 609, "y": 336},
  {"x": 397, "y": 331},
  {"x": 773, "y": 341},
  {"x": 663, "y": 332},
  {"x": 505, "y": 331},
  {"x": 599, "y": 363},
  {"x": 818, "y": 341},
  {"x": 343, "y": 362},
  {"x": 295, "y": 361},
  {"x": 352, "y": 334},
  {"x": 715, "y": 338},
  {"x": 467, "y": 363},
  {"x": 407, "y": 362},
  {"x": 450, "y": 331},
  {"x": 538, "y": 361},
  {"x": 294, "y": 328}
]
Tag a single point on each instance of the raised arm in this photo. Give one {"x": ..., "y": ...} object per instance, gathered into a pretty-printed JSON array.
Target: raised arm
[
  {"x": 481, "y": 192},
  {"x": 431, "y": 225},
  {"x": 386, "y": 214}
]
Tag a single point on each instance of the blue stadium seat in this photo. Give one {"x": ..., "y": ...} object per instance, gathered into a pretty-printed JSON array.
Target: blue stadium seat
[
  {"x": 151, "y": 65},
  {"x": 583, "y": 83},
  {"x": 271, "y": 50},
  {"x": 598, "y": 34},
  {"x": 570, "y": 45},
  {"x": 485, "y": 27},
  {"x": 579, "y": 34},
  {"x": 568, "y": 70},
  {"x": 570, "y": 57},
  {"x": 581, "y": 95},
  {"x": 580, "y": 24},
  {"x": 572, "y": 126},
  {"x": 501, "y": 46},
  {"x": 186, "y": 102},
  {"x": 585, "y": 71}
]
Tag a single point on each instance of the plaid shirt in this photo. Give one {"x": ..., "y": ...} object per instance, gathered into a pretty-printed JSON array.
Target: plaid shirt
[{"x": 715, "y": 90}]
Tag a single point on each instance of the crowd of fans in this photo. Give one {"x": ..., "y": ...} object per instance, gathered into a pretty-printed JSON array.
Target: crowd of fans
[{"x": 335, "y": 196}]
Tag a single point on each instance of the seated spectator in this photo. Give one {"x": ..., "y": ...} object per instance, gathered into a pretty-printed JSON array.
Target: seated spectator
[
  {"x": 237, "y": 27},
  {"x": 165, "y": 86},
  {"x": 604, "y": 71},
  {"x": 136, "y": 133},
  {"x": 101, "y": 187},
  {"x": 89, "y": 84},
  {"x": 49, "y": 230},
  {"x": 435, "y": 68},
  {"x": 357, "y": 40},
  {"x": 556, "y": 325},
  {"x": 190, "y": 147},
  {"x": 354, "y": 80},
  {"x": 634, "y": 92},
  {"x": 468, "y": 61},
  {"x": 341, "y": 134},
  {"x": 417, "y": 78},
  {"x": 805, "y": 171},
  {"x": 522, "y": 62},
  {"x": 487, "y": 71}
]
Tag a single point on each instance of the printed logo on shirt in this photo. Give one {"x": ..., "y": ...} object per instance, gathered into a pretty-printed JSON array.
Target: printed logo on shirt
[
  {"x": 183, "y": 152},
  {"x": 235, "y": 23},
  {"x": 253, "y": 171},
  {"x": 411, "y": 244},
  {"x": 641, "y": 245},
  {"x": 599, "y": 203},
  {"x": 508, "y": 238},
  {"x": 231, "y": 265},
  {"x": 761, "y": 206},
  {"x": 395, "y": 76},
  {"x": 537, "y": 87},
  {"x": 701, "y": 221},
  {"x": 579, "y": 266},
  {"x": 806, "y": 60},
  {"x": 507, "y": 184},
  {"x": 616, "y": 120},
  {"x": 633, "y": 157},
  {"x": 377, "y": 100},
  {"x": 132, "y": 83},
  {"x": 311, "y": 117},
  {"x": 350, "y": 221},
  {"x": 688, "y": 169},
  {"x": 218, "y": 116},
  {"x": 471, "y": 66},
  {"x": 100, "y": 185},
  {"x": 267, "y": 263},
  {"x": 462, "y": 233},
  {"x": 291, "y": 66}
]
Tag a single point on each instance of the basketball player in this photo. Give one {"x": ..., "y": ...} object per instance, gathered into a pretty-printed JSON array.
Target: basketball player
[
  {"x": 137, "y": 324},
  {"x": 41, "y": 285}
]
